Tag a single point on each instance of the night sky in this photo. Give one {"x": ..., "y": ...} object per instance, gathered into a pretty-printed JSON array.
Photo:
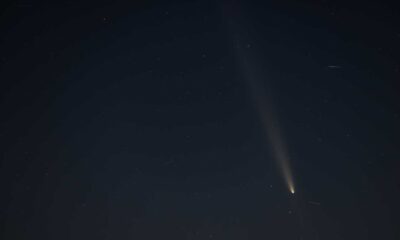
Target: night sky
[{"x": 192, "y": 119}]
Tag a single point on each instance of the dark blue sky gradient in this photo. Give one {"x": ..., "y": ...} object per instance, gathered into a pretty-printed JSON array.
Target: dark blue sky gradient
[{"x": 134, "y": 121}]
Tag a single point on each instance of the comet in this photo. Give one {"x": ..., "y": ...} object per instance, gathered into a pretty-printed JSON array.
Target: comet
[
  {"x": 262, "y": 98},
  {"x": 269, "y": 118}
]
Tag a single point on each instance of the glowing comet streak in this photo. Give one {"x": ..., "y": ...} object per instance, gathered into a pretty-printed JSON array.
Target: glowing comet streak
[
  {"x": 275, "y": 140},
  {"x": 269, "y": 120},
  {"x": 262, "y": 100}
]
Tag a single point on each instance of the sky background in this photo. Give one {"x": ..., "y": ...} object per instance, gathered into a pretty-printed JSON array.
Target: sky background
[{"x": 136, "y": 121}]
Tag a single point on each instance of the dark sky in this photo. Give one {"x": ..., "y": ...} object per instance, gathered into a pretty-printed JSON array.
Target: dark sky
[{"x": 136, "y": 121}]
